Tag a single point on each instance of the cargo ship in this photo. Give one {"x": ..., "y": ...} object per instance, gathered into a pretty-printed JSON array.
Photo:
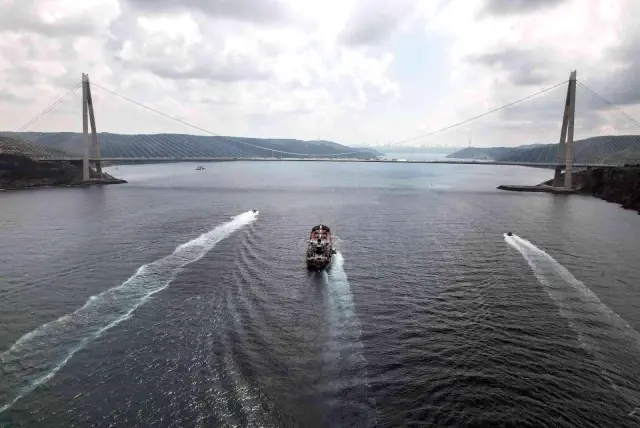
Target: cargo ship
[{"x": 320, "y": 248}]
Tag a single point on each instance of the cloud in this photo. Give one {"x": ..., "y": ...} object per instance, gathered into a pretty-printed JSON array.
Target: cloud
[
  {"x": 523, "y": 66},
  {"x": 259, "y": 68},
  {"x": 258, "y": 11},
  {"x": 503, "y": 7},
  {"x": 57, "y": 19},
  {"x": 375, "y": 22},
  {"x": 353, "y": 71},
  {"x": 497, "y": 58},
  {"x": 177, "y": 48},
  {"x": 621, "y": 85},
  {"x": 608, "y": 62},
  {"x": 14, "y": 98}
]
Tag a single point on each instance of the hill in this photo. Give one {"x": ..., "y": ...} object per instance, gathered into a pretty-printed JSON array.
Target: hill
[
  {"x": 418, "y": 149},
  {"x": 18, "y": 146},
  {"x": 613, "y": 150},
  {"x": 486, "y": 153},
  {"x": 371, "y": 150},
  {"x": 184, "y": 145}
]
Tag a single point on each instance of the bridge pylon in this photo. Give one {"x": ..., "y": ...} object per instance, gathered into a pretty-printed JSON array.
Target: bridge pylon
[
  {"x": 565, "y": 146},
  {"x": 88, "y": 118}
]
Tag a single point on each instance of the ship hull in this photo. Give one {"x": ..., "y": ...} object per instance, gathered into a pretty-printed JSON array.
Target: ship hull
[
  {"x": 318, "y": 263},
  {"x": 320, "y": 248}
]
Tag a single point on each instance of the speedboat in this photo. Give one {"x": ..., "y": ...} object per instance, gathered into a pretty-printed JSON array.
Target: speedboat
[
  {"x": 320, "y": 248},
  {"x": 509, "y": 234}
]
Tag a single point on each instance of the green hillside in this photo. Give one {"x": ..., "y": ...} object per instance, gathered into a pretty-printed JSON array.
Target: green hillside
[
  {"x": 184, "y": 146},
  {"x": 611, "y": 150},
  {"x": 19, "y": 146}
]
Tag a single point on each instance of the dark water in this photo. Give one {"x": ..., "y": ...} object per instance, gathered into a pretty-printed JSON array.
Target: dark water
[{"x": 165, "y": 303}]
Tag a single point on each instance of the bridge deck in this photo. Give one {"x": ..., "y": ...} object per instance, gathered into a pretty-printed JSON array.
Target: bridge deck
[{"x": 448, "y": 161}]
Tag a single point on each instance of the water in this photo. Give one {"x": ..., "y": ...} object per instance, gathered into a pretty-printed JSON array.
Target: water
[{"x": 167, "y": 302}]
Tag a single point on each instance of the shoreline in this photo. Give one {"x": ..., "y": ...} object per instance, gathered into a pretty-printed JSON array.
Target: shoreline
[
  {"x": 619, "y": 185},
  {"x": 541, "y": 188},
  {"x": 44, "y": 183},
  {"x": 19, "y": 172}
]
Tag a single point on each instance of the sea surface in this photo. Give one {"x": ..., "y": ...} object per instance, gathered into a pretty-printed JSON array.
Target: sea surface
[{"x": 166, "y": 302}]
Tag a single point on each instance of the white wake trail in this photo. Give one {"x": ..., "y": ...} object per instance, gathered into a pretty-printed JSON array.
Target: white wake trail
[
  {"x": 592, "y": 320},
  {"x": 575, "y": 299},
  {"x": 344, "y": 326},
  {"x": 344, "y": 352},
  {"x": 37, "y": 356}
]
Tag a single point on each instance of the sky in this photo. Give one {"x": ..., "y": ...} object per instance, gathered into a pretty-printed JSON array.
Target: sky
[{"x": 357, "y": 72}]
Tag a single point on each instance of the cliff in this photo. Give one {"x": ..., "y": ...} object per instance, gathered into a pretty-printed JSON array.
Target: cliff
[
  {"x": 21, "y": 172},
  {"x": 619, "y": 185}
]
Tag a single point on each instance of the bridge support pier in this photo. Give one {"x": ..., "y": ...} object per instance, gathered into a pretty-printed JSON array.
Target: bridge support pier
[
  {"x": 94, "y": 132},
  {"x": 88, "y": 118},
  {"x": 565, "y": 146},
  {"x": 85, "y": 129}
]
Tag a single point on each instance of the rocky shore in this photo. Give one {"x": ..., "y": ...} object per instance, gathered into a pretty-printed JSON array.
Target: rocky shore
[
  {"x": 620, "y": 185},
  {"x": 22, "y": 172}
]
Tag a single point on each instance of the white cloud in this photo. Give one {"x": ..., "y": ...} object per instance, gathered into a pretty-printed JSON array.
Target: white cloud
[
  {"x": 374, "y": 21},
  {"x": 311, "y": 69},
  {"x": 498, "y": 56}
]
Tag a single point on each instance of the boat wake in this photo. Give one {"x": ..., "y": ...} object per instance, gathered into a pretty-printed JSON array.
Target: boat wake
[
  {"x": 344, "y": 351},
  {"x": 37, "y": 356},
  {"x": 592, "y": 320}
]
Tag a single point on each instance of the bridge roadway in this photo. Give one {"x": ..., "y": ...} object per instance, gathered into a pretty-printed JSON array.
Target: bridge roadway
[{"x": 210, "y": 159}]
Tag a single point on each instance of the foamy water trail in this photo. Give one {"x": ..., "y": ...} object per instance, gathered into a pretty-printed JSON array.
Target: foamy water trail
[
  {"x": 592, "y": 320},
  {"x": 242, "y": 397},
  {"x": 37, "y": 356},
  {"x": 344, "y": 352},
  {"x": 573, "y": 296},
  {"x": 344, "y": 326}
]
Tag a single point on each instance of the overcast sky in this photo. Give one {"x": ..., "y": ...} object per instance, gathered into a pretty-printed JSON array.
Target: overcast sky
[{"x": 358, "y": 72}]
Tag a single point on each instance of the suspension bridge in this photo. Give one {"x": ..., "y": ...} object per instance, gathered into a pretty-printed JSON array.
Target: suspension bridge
[{"x": 85, "y": 149}]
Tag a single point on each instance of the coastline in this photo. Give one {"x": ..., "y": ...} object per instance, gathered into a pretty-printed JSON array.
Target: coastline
[
  {"x": 620, "y": 185},
  {"x": 19, "y": 172},
  {"x": 44, "y": 183}
]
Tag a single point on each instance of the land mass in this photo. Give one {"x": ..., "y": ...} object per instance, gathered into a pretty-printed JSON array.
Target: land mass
[
  {"x": 606, "y": 150},
  {"x": 150, "y": 146},
  {"x": 620, "y": 185},
  {"x": 418, "y": 149},
  {"x": 21, "y": 172}
]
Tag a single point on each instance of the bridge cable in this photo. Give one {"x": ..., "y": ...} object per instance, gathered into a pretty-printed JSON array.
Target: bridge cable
[
  {"x": 613, "y": 145},
  {"x": 611, "y": 104},
  {"x": 480, "y": 115},
  {"x": 215, "y": 134},
  {"x": 16, "y": 144},
  {"x": 48, "y": 109}
]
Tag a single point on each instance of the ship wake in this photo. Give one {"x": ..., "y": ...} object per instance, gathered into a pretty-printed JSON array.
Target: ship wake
[
  {"x": 593, "y": 321},
  {"x": 344, "y": 359},
  {"x": 37, "y": 356}
]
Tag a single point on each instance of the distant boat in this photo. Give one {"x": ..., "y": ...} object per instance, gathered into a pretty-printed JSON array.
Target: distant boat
[
  {"x": 199, "y": 168},
  {"x": 320, "y": 248}
]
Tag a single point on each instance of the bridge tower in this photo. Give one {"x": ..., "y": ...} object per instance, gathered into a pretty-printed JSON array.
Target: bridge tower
[
  {"x": 565, "y": 147},
  {"x": 88, "y": 118}
]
